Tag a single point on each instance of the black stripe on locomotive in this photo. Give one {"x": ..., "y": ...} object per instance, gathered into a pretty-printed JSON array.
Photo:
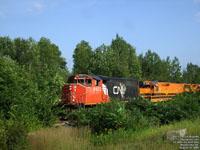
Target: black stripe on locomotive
[{"x": 120, "y": 88}]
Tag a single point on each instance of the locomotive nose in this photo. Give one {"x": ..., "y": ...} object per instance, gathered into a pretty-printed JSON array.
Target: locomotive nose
[{"x": 71, "y": 96}]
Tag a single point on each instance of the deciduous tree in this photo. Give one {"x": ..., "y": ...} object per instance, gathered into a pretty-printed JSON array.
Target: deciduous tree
[{"x": 81, "y": 56}]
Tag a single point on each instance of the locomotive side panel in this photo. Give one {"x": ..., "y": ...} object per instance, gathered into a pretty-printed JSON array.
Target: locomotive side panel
[
  {"x": 122, "y": 89},
  {"x": 160, "y": 91}
]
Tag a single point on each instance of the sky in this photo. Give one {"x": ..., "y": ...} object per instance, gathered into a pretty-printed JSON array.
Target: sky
[{"x": 167, "y": 27}]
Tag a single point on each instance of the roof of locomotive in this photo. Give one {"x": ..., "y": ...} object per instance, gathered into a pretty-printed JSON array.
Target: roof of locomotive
[{"x": 160, "y": 81}]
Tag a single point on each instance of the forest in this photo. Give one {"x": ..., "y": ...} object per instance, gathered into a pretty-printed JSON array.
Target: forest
[{"x": 32, "y": 74}]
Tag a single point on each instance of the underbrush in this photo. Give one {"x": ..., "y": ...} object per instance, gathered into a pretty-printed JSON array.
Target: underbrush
[
  {"x": 137, "y": 113},
  {"x": 80, "y": 138},
  {"x": 13, "y": 135},
  {"x": 133, "y": 124}
]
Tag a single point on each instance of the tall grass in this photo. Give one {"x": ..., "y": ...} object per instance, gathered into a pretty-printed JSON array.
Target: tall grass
[
  {"x": 152, "y": 138},
  {"x": 62, "y": 138}
]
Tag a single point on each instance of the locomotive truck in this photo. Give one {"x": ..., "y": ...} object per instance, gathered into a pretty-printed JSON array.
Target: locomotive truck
[{"x": 88, "y": 90}]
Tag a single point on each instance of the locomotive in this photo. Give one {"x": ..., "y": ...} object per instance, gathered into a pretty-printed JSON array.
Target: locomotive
[
  {"x": 83, "y": 90},
  {"x": 161, "y": 91},
  {"x": 87, "y": 90}
]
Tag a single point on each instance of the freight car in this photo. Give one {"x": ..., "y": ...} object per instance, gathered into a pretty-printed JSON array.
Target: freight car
[
  {"x": 88, "y": 90},
  {"x": 83, "y": 90},
  {"x": 160, "y": 91}
]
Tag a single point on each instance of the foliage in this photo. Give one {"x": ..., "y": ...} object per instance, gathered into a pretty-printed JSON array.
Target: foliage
[
  {"x": 18, "y": 92},
  {"x": 183, "y": 106},
  {"x": 32, "y": 75},
  {"x": 153, "y": 68},
  {"x": 150, "y": 65},
  {"x": 125, "y": 62},
  {"x": 107, "y": 116},
  {"x": 81, "y": 56},
  {"x": 151, "y": 138},
  {"x": 101, "y": 61},
  {"x": 31, "y": 78},
  {"x": 137, "y": 113},
  {"x": 13, "y": 135},
  {"x": 118, "y": 60},
  {"x": 192, "y": 73},
  {"x": 102, "y": 118},
  {"x": 79, "y": 117}
]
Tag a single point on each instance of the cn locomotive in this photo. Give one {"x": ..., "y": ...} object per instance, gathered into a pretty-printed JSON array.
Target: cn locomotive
[{"x": 88, "y": 90}]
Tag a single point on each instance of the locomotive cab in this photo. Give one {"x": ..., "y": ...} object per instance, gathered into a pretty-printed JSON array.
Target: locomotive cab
[
  {"x": 84, "y": 90},
  {"x": 148, "y": 89}
]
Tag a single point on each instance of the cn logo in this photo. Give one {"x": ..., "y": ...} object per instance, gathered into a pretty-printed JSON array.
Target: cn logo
[{"x": 119, "y": 89}]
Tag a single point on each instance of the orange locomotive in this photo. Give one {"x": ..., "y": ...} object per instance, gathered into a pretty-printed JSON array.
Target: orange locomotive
[{"x": 160, "y": 91}]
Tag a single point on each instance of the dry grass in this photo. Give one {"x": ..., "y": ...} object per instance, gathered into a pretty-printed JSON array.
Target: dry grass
[{"x": 62, "y": 138}]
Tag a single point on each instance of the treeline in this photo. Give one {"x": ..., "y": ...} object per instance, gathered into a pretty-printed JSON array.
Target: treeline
[
  {"x": 120, "y": 60},
  {"x": 31, "y": 77},
  {"x": 32, "y": 73}
]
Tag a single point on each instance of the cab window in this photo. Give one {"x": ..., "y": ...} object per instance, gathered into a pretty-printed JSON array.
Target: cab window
[
  {"x": 144, "y": 85},
  {"x": 97, "y": 82},
  {"x": 80, "y": 80},
  {"x": 88, "y": 81},
  {"x": 72, "y": 81}
]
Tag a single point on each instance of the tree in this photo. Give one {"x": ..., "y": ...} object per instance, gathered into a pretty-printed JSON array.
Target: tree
[
  {"x": 50, "y": 54},
  {"x": 7, "y": 47},
  {"x": 125, "y": 62},
  {"x": 32, "y": 76},
  {"x": 151, "y": 65},
  {"x": 101, "y": 61},
  {"x": 133, "y": 63},
  {"x": 17, "y": 91},
  {"x": 175, "y": 70},
  {"x": 81, "y": 56},
  {"x": 50, "y": 60},
  {"x": 165, "y": 70},
  {"x": 192, "y": 73}
]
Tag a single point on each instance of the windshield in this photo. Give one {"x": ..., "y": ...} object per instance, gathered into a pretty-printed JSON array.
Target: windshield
[
  {"x": 83, "y": 81},
  {"x": 144, "y": 85},
  {"x": 72, "y": 81}
]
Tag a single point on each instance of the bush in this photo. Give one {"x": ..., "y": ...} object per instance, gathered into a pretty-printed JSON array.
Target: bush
[
  {"x": 137, "y": 113},
  {"x": 144, "y": 112},
  {"x": 102, "y": 118},
  {"x": 183, "y": 106},
  {"x": 13, "y": 135},
  {"x": 80, "y": 117},
  {"x": 107, "y": 116},
  {"x": 23, "y": 99}
]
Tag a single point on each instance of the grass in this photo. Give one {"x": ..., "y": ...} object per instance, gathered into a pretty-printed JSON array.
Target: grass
[{"x": 64, "y": 138}]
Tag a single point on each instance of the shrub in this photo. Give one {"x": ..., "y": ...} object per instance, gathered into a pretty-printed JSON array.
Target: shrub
[
  {"x": 13, "y": 135},
  {"x": 23, "y": 99},
  {"x": 107, "y": 116},
  {"x": 183, "y": 106},
  {"x": 137, "y": 113},
  {"x": 141, "y": 109},
  {"x": 79, "y": 117}
]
